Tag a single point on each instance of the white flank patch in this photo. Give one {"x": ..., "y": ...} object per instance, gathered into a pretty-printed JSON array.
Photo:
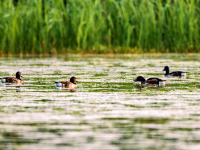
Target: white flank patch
[
  {"x": 3, "y": 80},
  {"x": 161, "y": 83},
  {"x": 58, "y": 84}
]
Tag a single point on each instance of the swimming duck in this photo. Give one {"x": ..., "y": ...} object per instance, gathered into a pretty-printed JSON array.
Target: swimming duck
[
  {"x": 175, "y": 73},
  {"x": 155, "y": 81},
  {"x": 71, "y": 84},
  {"x": 12, "y": 79}
]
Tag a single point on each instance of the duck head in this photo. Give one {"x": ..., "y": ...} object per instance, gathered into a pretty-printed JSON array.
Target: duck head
[
  {"x": 73, "y": 79},
  {"x": 140, "y": 78},
  {"x": 18, "y": 75},
  {"x": 166, "y": 68}
]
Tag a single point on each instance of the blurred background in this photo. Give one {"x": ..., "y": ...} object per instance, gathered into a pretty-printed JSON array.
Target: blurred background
[{"x": 99, "y": 26}]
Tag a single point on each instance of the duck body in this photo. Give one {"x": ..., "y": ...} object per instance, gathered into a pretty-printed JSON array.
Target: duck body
[
  {"x": 175, "y": 73},
  {"x": 151, "y": 81},
  {"x": 68, "y": 84},
  {"x": 16, "y": 79}
]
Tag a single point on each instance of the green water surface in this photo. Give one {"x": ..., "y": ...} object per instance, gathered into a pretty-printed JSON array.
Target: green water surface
[{"x": 107, "y": 111}]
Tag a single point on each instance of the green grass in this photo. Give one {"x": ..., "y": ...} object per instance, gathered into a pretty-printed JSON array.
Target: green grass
[
  {"x": 15, "y": 138},
  {"x": 99, "y": 26},
  {"x": 45, "y": 100},
  {"x": 141, "y": 120},
  {"x": 4, "y": 74}
]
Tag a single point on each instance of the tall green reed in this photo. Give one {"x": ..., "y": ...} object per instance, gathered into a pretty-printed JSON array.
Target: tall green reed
[{"x": 99, "y": 26}]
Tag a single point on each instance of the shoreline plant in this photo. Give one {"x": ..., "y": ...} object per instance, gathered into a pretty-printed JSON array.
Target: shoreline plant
[{"x": 99, "y": 26}]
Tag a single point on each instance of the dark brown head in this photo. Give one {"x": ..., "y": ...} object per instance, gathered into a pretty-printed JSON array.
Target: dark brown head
[
  {"x": 18, "y": 75},
  {"x": 140, "y": 78},
  {"x": 166, "y": 68},
  {"x": 73, "y": 79}
]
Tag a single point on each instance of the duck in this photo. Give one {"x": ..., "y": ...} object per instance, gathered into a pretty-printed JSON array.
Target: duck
[
  {"x": 68, "y": 84},
  {"x": 16, "y": 79},
  {"x": 155, "y": 81},
  {"x": 175, "y": 73}
]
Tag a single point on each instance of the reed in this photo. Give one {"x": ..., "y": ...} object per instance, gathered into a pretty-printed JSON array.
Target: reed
[{"x": 99, "y": 26}]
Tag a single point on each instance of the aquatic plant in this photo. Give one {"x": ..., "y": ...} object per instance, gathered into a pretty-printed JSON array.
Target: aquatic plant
[{"x": 99, "y": 26}]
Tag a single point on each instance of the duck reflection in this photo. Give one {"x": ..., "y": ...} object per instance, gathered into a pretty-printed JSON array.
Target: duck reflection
[
  {"x": 18, "y": 88},
  {"x": 4, "y": 86},
  {"x": 141, "y": 86},
  {"x": 66, "y": 89}
]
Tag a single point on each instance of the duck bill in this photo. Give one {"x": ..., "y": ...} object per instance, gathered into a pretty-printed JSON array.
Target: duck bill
[
  {"x": 135, "y": 80},
  {"x": 163, "y": 69}
]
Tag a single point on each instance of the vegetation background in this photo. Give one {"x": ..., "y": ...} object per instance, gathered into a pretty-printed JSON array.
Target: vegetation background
[{"x": 99, "y": 26}]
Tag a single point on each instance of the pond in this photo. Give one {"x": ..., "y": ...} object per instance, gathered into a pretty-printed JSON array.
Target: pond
[{"x": 108, "y": 111}]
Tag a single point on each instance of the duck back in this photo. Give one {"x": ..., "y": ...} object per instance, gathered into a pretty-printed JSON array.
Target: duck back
[{"x": 68, "y": 84}]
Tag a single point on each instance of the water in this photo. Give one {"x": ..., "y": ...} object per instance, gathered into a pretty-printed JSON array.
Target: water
[{"x": 108, "y": 110}]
